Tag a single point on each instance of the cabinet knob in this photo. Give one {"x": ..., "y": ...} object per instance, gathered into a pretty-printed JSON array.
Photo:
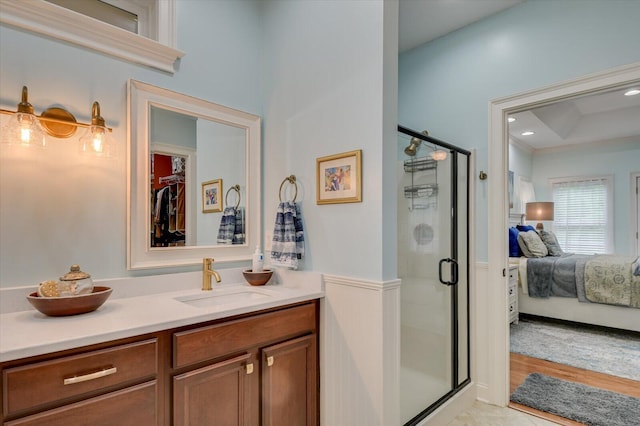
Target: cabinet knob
[
  {"x": 269, "y": 361},
  {"x": 249, "y": 368}
]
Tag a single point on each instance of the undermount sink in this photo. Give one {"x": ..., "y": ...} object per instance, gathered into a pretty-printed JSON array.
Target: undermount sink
[{"x": 224, "y": 297}]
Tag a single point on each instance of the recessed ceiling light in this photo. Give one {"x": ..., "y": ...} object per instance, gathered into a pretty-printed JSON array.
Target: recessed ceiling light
[
  {"x": 632, "y": 92},
  {"x": 527, "y": 133},
  {"x": 511, "y": 119}
]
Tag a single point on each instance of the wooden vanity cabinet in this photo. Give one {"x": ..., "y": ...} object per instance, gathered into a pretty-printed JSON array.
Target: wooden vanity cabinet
[
  {"x": 118, "y": 382},
  {"x": 260, "y": 370},
  {"x": 251, "y": 370},
  {"x": 289, "y": 383}
]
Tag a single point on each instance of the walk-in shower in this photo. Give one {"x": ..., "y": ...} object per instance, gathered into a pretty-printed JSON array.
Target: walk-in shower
[{"x": 433, "y": 253}]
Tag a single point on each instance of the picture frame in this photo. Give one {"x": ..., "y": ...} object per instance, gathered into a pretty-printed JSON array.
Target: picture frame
[
  {"x": 339, "y": 178},
  {"x": 212, "y": 196}
]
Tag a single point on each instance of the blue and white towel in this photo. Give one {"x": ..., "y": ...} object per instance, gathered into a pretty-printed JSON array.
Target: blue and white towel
[
  {"x": 227, "y": 226},
  {"x": 288, "y": 236},
  {"x": 238, "y": 233}
]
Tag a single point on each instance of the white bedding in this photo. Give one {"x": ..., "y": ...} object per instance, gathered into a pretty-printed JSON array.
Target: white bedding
[{"x": 571, "y": 309}]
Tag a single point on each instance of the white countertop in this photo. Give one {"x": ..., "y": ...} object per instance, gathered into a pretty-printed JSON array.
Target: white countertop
[{"x": 127, "y": 313}]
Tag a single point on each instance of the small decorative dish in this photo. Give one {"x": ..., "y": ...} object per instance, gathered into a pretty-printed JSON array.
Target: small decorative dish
[
  {"x": 257, "y": 278},
  {"x": 70, "y": 305}
]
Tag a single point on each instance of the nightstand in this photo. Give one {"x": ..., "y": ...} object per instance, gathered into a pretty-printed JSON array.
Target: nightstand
[{"x": 513, "y": 293}]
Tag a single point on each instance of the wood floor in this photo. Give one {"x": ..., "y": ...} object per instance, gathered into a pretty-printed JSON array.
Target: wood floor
[{"x": 522, "y": 365}]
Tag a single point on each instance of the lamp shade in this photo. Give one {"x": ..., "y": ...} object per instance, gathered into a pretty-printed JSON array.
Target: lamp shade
[{"x": 541, "y": 210}]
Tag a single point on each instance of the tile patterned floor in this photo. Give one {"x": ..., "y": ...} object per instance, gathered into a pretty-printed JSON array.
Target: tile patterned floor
[{"x": 481, "y": 414}]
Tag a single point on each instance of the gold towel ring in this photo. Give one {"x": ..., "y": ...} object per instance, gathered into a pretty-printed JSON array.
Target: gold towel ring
[
  {"x": 292, "y": 180},
  {"x": 226, "y": 196}
]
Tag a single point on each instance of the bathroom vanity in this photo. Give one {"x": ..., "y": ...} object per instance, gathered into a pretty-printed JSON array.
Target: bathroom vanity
[{"x": 243, "y": 362}]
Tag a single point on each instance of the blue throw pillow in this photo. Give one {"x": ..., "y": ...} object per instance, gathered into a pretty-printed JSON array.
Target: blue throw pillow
[
  {"x": 514, "y": 248},
  {"x": 525, "y": 228}
]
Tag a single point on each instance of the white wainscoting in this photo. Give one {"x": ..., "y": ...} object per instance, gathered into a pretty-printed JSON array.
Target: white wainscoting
[
  {"x": 480, "y": 338},
  {"x": 360, "y": 352}
]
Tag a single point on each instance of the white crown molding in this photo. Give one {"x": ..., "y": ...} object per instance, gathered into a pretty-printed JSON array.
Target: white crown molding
[
  {"x": 602, "y": 143},
  {"x": 50, "y": 20},
  {"x": 524, "y": 146}
]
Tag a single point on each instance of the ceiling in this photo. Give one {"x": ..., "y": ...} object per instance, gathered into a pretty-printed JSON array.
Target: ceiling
[
  {"x": 598, "y": 117},
  {"x": 421, "y": 21},
  {"x": 590, "y": 118}
]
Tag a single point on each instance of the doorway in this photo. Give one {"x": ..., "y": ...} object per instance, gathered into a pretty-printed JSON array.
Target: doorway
[{"x": 496, "y": 312}]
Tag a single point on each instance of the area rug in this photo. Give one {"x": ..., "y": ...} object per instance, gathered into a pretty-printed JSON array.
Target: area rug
[
  {"x": 575, "y": 401},
  {"x": 605, "y": 351}
]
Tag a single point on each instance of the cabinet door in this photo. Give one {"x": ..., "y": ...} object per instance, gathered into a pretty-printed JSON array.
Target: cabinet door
[
  {"x": 289, "y": 383},
  {"x": 218, "y": 394}
]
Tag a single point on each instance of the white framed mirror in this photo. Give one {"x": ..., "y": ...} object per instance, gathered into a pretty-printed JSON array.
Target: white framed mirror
[{"x": 193, "y": 180}]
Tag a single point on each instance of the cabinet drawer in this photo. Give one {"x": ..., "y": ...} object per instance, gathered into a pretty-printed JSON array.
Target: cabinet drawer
[
  {"x": 201, "y": 344},
  {"x": 72, "y": 376},
  {"x": 134, "y": 406}
]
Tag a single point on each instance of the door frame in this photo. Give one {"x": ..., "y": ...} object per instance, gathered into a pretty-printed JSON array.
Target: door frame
[
  {"x": 498, "y": 214},
  {"x": 634, "y": 188}
]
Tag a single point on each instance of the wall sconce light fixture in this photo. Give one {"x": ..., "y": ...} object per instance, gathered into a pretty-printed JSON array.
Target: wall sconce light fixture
[{"x": 27, "y": 129}]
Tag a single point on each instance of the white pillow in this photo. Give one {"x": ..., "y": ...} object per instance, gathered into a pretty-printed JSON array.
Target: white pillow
[{"x": 532, "y": 245}]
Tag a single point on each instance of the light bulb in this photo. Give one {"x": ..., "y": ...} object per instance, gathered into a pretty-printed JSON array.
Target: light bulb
[
  {"x": 96, "y": 141},
  {"x": 439, "y": 155},
  {"x": 23, "y": 129}
]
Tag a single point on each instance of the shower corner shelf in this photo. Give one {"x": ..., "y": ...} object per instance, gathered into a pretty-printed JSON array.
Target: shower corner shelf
[
  {"x": 419, "y": 164},
  {"x": 421, "y": 191}
]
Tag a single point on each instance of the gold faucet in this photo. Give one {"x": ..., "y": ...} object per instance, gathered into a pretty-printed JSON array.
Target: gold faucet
[{"x": 207, "y": 272}]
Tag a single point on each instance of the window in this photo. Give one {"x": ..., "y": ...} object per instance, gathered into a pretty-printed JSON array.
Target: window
[
  {"x": 123, "y": 14},
  {"x": 583, "y": 218},
  {"x": 140, "y": 31}
]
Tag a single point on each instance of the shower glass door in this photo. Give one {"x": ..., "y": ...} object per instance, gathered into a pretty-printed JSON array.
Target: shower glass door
[{"x": 433, "y": 266}]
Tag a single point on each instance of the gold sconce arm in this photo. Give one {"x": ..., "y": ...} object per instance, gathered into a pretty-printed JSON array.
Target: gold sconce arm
[{"x": 56, "y": 121}]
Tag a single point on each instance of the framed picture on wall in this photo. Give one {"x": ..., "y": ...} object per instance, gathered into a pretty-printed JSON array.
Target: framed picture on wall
[
  {"x": 212, "y": 196},
  {"x": 339, "y": 178}
]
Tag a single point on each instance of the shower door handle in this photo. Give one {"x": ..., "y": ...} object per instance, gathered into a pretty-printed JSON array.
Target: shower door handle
[{"x": 454, "y": 271}]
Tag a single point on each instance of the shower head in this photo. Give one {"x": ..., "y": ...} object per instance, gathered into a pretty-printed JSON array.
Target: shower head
[{"x": 412, "y": 149}]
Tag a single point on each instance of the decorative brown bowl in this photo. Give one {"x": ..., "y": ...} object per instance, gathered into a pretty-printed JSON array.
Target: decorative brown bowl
[
  {"x": 257, "y": 278},
  {"x": 70, "y": 305}
]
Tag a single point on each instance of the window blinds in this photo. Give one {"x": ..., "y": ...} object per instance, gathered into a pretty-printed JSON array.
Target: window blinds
[{"x": 583, "y": 219}]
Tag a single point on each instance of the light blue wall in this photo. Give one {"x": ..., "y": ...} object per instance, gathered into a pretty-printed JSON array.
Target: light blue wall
[
  {"x": 323, "y": 95},
  {"x": 323, "y": 76},
  {"x": 619, "y": 159},
  {"x": 445, "y": 86},
  {"x": 57, "y": 208}
]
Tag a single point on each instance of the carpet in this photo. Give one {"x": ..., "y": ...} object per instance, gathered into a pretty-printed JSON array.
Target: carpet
[
  {"x": 602, "y": 350},
  {"x": 575, "y": 401}
]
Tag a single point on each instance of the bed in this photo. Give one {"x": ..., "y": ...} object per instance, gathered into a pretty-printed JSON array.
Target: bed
[{"x": 593, "y": 289}]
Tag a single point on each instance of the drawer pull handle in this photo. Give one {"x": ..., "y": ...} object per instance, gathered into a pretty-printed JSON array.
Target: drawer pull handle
[
  {"x": 91, "y": 376},
  {"x": 269, "y": 361}
]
